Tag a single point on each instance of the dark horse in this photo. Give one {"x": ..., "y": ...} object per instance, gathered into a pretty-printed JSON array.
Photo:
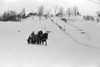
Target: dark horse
[
  {"x": 44, "y": 38},
  {"x": 39, "y": 38}
]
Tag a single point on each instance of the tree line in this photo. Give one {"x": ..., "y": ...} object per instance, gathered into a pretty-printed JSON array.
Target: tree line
[{"x": 12, "y": 15}]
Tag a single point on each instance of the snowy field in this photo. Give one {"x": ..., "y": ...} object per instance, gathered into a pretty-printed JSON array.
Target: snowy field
[{"x": 77, "y": 46}]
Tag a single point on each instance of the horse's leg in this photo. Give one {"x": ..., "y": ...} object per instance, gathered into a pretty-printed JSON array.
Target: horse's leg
[
  {"x": 45, "y": 42},
  {"x": 37, "y": 41},
  {"x": 42, "y": 42}
]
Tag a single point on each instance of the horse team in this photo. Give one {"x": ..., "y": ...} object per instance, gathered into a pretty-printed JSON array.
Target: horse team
[{"x": 40, "y": 38}]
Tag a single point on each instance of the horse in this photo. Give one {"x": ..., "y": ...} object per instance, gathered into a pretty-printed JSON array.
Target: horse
[{"x": 44, "y": 38}]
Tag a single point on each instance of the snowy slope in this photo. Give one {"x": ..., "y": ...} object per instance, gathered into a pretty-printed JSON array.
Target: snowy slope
[{"x": 61, "y": 51}]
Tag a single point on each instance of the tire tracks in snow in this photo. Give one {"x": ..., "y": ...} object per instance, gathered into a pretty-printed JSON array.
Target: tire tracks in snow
[{"x": 75, "y": 40}]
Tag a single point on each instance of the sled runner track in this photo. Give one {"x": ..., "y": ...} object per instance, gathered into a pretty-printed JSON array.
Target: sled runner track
[
  {"x": 79, "y": 29},
  {"x": 61, "y": 28},
  {"x": 75, "y": 27}
]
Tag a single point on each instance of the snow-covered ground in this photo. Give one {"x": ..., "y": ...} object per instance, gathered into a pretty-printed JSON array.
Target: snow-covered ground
[{"x": 77, "y": 46}]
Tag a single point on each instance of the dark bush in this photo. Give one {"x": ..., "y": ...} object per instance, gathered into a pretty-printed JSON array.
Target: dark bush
[{"x": 10, "y": 16}]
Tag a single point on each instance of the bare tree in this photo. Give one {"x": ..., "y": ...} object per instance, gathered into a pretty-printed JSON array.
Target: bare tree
[
  {"x": 40, "y": 11},
  {"x": 22, "y": 13},
  {"x": 75, "y": 10},
  {"x": 47, "y": 13},
  {"x": 55, "y": 9},
  {"x": 69, "y": 12},
  {"x": 61, "y": 11}
]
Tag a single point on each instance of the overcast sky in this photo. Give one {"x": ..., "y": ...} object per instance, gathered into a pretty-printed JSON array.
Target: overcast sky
[{"x": 84, "y": 6}]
